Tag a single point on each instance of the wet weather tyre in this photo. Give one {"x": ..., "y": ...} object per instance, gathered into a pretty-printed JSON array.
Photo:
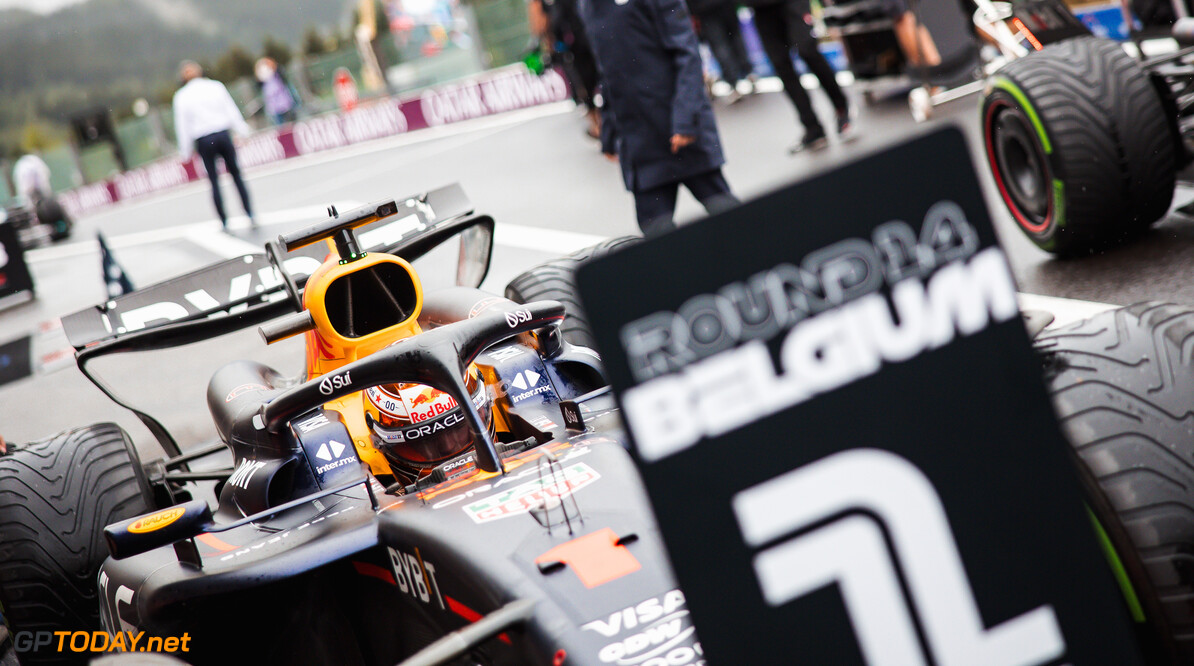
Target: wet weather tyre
[
  {"x": 56, "y": 496},
  {"x": 556, "y": 280},
  {"x": 1080, "y": 145},
  {"x": 1123, "y": 385}
]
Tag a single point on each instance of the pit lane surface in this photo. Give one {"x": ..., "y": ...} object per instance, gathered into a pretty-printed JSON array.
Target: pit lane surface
[{"x": 550, "y": 191}]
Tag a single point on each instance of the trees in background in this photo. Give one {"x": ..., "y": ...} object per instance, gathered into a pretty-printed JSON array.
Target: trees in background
[
  {"x": 315, "y": 42},
  {"x": 44, "y": 81},
  {"x": 278, "y": 50},
  {"x": 233, "y": 64}
]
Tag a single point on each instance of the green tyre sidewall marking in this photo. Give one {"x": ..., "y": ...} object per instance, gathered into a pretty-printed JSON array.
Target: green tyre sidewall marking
[
  {"x": 1118, "y": 570},
  {"x": 1008, "y": 86},
  {"x": 1005, "y": 84},
  {"x": 1058, "y": 204}
]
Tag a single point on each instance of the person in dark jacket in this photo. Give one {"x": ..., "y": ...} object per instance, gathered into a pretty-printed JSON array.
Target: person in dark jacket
[
  {"x": 561, "y": 36},
  {"x": 656, "y": 120},
  {"x": 719, "y": 26},
  {"x": 786, "y": 24}
]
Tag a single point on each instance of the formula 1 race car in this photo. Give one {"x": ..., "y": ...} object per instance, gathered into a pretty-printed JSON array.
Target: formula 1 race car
[
  {"x": 447, "y": 481},
  {"x": 448, "y": 465},
  {"x": 1085, "y": 142}
]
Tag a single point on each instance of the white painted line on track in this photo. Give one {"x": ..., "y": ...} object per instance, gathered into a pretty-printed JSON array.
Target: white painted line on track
[
  {"x": 210, "y": 237},
  {"x": 1064, "y": 310},
  {"x": 291, "y": 216},
  {"x": 88, "y": 247},
  {"x": 223, "y": 245},
  {"x": 462, "y": 129},
  {"x": 209, "y": 228},
  {"x": 552, "y": 241}
]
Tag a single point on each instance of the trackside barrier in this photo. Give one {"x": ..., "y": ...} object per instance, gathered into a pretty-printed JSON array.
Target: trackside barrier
[{"x": 498, "y": 91}]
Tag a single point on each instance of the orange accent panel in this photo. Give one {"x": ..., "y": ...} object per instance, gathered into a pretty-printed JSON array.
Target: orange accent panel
[
  {"x": 596, "y": 558},
  {"x": 1036, "y": 44},
  {"x": 334, "y": 350},
  {"x": 215, "y": 542}
]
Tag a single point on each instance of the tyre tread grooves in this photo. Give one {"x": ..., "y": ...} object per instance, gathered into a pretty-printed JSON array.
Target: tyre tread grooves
[
  {"x": 1123, "y": 384},
  {"x": 56, "y": 495},
  {"x": 1112, "y": 144}
]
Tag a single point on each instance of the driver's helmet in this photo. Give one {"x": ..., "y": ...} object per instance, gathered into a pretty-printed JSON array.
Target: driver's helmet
[{"x": 418, "y": 427}]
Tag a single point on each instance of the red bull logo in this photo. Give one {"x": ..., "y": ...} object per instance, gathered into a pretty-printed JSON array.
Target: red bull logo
[
  {"x": 427, "y": 403},
  {"x": 442, "y": 405},
  {"x": 423, "y": 397}
]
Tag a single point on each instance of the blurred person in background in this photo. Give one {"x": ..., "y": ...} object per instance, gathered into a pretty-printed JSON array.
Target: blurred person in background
[
  {"x": 656, "y": 120},
  {"x": 204, "y": 117},
  {"x": 561, "y": 34},
  {"x": 915, "y": 41},
  {"x": 717, "y": 24},
  {"x": 278, "y": 97},
  {"x": 31, "y": 177},
  {"x": 786, "y": 24}
]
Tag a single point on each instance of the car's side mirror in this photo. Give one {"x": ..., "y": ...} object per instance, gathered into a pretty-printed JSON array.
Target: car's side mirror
[{"x": 153, "y": 530}]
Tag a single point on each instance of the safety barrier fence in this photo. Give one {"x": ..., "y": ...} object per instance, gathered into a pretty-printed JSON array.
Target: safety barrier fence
[{"x": 507, "y": 89}]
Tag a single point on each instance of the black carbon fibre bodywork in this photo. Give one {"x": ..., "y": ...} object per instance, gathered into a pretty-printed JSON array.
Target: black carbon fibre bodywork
[{"x": 426, "y": 564}]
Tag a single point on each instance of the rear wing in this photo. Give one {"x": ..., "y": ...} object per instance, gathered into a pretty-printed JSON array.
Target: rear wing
[{"x": 248, "y": 290}]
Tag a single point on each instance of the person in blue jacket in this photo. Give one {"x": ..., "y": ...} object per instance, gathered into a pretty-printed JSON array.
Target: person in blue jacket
[{"x": 656, "y": 120}]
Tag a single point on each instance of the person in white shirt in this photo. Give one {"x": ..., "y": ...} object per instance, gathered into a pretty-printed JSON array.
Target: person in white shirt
[
  {"x": 204, "y": 116},
  {"x": 31, "y": 177}
]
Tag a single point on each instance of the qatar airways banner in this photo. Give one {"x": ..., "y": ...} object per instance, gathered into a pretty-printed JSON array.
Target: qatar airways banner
[{"x": 502, "y": 90}]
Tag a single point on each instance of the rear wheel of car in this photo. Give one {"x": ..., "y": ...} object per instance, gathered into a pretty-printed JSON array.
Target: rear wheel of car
[
  {"x": 56, "y": 496},
  {"x": 555, "y": 280},
  {"x": 1123, "y": 385},
  {"x": 1080, "y": 145}
]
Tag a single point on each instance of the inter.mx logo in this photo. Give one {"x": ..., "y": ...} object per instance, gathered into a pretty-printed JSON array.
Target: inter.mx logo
[
  {"x": 524, "y": 380},
  {"x": 852, "y": 552},
  {"x": 329, "y": 451},
  {"x": 527, "y": 382}
]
